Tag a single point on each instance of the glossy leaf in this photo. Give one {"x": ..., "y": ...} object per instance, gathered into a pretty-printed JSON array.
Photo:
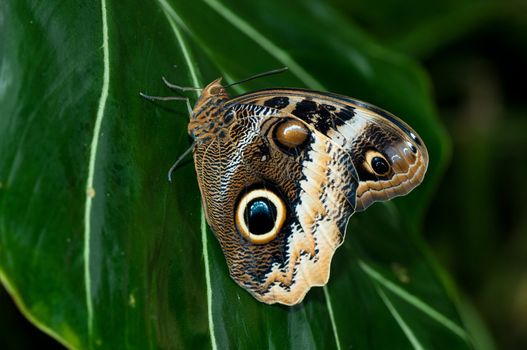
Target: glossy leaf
[{"x": 99, "y": 250}]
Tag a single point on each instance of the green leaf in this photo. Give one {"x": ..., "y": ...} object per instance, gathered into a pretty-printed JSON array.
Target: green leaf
[{"x": 99, "y": 250}]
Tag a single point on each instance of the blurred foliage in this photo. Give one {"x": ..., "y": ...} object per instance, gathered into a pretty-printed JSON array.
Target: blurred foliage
[
  {"x": 475, "y": 53},
  {"x": 484, "y": 243}
]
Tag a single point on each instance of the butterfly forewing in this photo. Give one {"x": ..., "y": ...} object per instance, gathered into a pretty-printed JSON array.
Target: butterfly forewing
[{"x": 368, "y": 133}]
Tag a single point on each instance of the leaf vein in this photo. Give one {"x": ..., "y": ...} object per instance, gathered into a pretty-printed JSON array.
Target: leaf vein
[
  {"x": 169, "y": 13},
  {"x": 91, "y": 166},
  {"x": 332, "y": 316},
  {"x": 406, "y": 330},
  {"x": 273, "y": 49},
  {"x": 413, "y": 300}
]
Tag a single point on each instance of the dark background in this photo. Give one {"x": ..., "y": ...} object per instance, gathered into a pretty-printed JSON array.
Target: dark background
[{"x": 475, "y": 53}]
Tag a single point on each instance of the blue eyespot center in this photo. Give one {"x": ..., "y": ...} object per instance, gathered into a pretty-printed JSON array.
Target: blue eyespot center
[{"x": 260, "y": 216}]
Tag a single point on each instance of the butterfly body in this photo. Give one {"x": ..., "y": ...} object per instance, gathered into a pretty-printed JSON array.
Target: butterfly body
[{"x": 281, "y": 171}]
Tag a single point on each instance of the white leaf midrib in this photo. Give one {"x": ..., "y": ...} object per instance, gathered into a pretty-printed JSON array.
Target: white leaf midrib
[{"x": 90, "y": 191}]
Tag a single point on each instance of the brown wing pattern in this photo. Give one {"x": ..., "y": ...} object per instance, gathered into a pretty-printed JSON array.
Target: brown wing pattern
[
  {"x": 283, "y": 269},
  {"x": 283, "y": 173},
  {"x": 364, "y": 131}
]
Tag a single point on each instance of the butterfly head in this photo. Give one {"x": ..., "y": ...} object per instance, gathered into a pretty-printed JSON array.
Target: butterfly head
[
  {"x": 212, "y": 95},
  {"x": 392, "y": 161},
  {"x": 204, "y": 122}
]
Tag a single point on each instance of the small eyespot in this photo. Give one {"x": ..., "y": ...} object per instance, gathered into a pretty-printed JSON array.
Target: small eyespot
[
  {"x": 379, "y": 165},
  {"x": 260, "y": 215},
  {"x": 290, "y": 135},
  {"x": 376, "y": 163}
]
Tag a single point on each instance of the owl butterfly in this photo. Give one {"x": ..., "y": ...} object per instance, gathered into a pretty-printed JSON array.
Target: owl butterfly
[{"x": 282, "y": 170}]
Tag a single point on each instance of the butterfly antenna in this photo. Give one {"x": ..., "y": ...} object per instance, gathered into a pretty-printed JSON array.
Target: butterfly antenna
[
  {"x": 179, "y": 160},
  {"x": 179, "y": 87},
  {"x": 264, "y": 74},
  {"x": 169, "y": 98},
  {"x": 163, "y": 98}
]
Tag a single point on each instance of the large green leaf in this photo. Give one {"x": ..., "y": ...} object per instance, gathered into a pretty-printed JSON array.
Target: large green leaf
[{"x": 99, "y": 250}]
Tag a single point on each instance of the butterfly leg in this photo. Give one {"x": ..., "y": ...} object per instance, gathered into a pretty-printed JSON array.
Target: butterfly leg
[{"x": 181, "y": 158}]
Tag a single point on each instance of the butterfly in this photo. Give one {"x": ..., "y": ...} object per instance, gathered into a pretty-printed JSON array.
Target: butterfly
[{"x": 281, "y": 171}]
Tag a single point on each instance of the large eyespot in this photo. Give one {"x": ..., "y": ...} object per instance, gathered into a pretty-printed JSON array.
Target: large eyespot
[
  {"x": 260, "y": 215},
  {"x": 376, "y": 163},
  {"x": 290, "y": 135}
]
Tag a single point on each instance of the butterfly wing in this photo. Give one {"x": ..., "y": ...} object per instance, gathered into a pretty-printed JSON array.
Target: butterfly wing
[
  {"x": 281, "y": 183},
  {"x": 389, "y": 158}
]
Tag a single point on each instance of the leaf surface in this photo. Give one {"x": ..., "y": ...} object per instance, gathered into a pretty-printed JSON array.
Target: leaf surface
[{"x": 99, "y": 250}]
